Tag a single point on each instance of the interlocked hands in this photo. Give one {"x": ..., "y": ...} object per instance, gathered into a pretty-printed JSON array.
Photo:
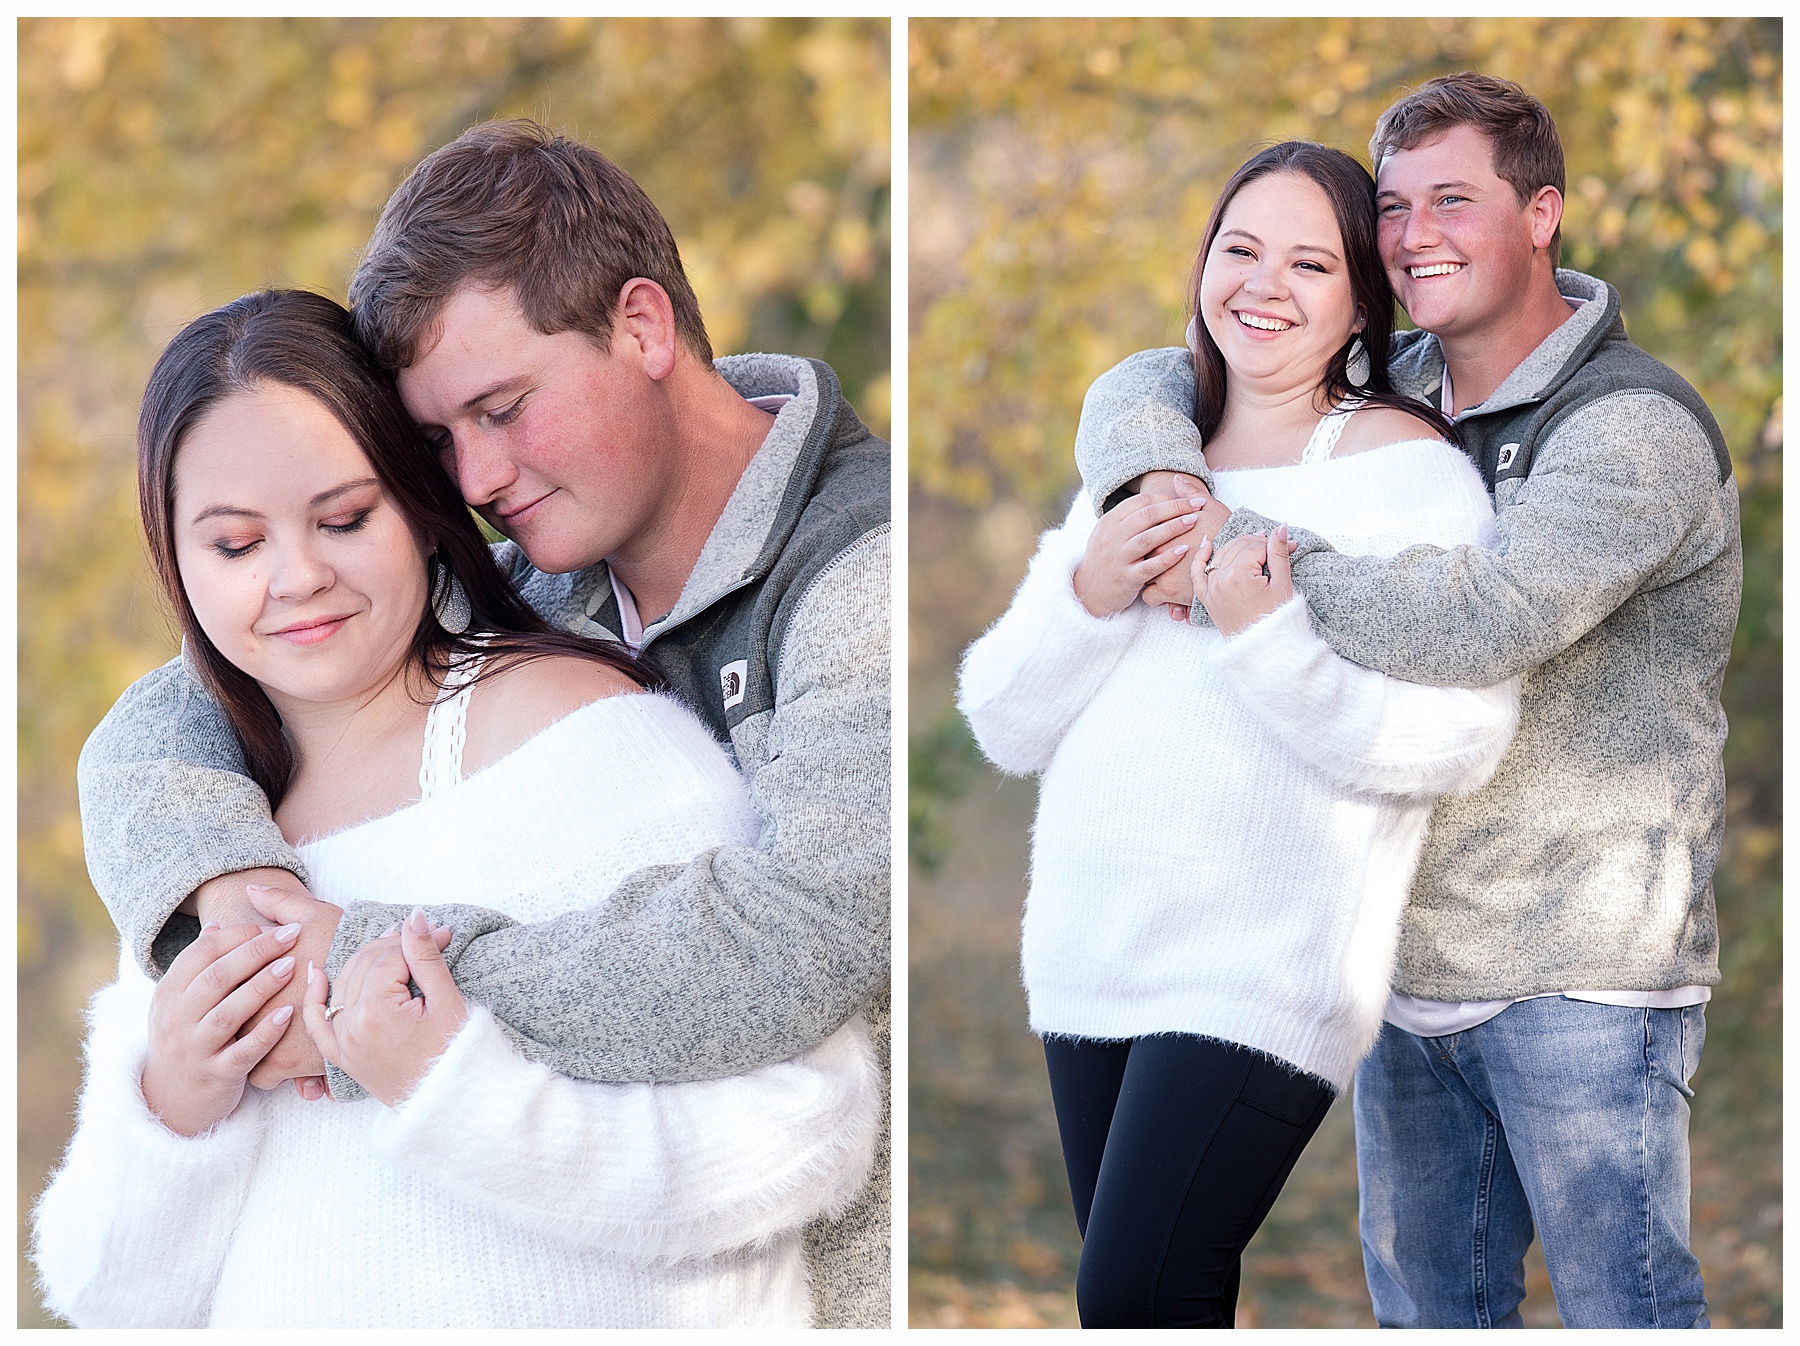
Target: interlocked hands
[
  {"x": 1250, "y": 577},
  {"x": 382, "y": 1035},
  {"x": 1134, "y": 544},
  {"x": 275, "y": 897}
]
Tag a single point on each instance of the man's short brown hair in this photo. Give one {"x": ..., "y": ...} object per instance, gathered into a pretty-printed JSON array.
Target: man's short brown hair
[
  {"x": 1528, "y": 153},
  {"x": 513, "y": 205}
]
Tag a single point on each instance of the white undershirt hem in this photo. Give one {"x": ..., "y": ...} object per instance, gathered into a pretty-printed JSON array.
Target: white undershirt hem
[{"x": 1439, "y": 1018}]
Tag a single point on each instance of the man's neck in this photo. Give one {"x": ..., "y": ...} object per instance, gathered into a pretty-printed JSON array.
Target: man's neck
[
  {"x": 717, "y": 433},
  {"x": 1478, "y": 362}
]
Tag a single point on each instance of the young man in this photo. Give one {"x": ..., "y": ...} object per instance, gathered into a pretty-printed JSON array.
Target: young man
[
  {"x": 728, "y": 521},
  {"x": 1561, "y": 938}
]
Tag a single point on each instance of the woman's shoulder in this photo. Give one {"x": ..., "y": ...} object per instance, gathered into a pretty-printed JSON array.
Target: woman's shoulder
[
  {"x": 524, "y": 697},
  {"x": 1377, "y": 427}
]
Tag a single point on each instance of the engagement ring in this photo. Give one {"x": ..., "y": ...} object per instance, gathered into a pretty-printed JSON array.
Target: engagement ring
[{"x": 331, "y": 1010}]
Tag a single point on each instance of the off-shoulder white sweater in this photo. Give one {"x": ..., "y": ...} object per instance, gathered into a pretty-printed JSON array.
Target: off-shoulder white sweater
[
  {"x": 1227, "y": 828},
  {"x": 500, "y": 1194}
]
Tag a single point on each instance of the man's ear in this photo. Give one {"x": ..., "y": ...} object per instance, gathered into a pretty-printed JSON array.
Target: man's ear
[
  {"x": 644, "y": 326},
  {"x": 1545, "y": 209}
]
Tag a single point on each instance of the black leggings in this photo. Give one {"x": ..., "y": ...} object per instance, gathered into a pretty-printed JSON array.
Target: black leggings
[{"x": 1176, "y": 1147}]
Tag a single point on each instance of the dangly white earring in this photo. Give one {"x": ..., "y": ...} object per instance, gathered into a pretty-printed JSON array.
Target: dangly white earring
[
  {"x": 449, "y": 602},
  {"x": 1356, "y": 368}
]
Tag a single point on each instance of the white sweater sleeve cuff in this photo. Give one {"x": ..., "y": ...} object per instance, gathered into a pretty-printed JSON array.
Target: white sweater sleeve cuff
[
  {"x": 133, "y": 1228},
  {"x": 1360, "y": 728},
  {"x": 1024, "y": 682},
  {"x": 652, "y": 1172}
]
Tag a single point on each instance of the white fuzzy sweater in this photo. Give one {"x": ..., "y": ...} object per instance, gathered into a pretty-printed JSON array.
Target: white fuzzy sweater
[
  {"x": 500, "y": 1194},
  {"x": 1227, "y": 828}
]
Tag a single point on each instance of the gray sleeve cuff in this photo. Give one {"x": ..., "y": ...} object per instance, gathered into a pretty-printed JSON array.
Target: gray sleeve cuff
[
  {"x": 1137, "y": 418},
  {"x": 1249, "y": 521},
  {"x": 364, "y": 921}
]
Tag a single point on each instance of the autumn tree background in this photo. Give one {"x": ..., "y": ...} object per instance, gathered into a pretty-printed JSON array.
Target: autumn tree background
[
  {"x": 167, "y": 166},
  {"x": 1061, "y": 174}
]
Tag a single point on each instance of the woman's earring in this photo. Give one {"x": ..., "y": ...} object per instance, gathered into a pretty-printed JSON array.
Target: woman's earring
[
  {"x": 449, "y": 602},
  {"x": 1356, "y": 368}
]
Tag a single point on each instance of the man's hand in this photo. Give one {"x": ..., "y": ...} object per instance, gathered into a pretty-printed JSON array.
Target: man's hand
[
  {"x": 383, "y": 1036},
  {"x": 1249, "y": 579},
  {"x": 1118, "y": 562},
  {"x": 1175, "y": 586},
  {"x": 274, "y": 896}
]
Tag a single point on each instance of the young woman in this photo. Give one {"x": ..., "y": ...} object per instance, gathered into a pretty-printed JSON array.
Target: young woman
[
  {"x": 1229, "y": 814},
  {"x": 423, "y": 737}
]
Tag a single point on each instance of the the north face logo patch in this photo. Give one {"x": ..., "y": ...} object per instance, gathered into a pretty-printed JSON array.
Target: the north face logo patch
[
  {"x": 731, "y": 681},
  {"x": 1508, "y": 453}
]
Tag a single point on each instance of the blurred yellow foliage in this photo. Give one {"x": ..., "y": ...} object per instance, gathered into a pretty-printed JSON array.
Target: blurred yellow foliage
[
  {"x": 166, "y": 166},
  {"x": 1063, "y": 171},
  {"x": 1061, "y": 174}
]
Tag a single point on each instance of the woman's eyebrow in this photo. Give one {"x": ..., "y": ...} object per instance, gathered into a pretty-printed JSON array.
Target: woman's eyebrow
[
  {"x": 1298, "y": 247},
  {"x": 322, "y": 498},
  {"x": 214, "y": 511}
]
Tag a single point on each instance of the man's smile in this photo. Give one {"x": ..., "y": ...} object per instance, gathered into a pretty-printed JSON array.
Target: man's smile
[
  {"x": 513, "y": 516},
  {"x": 1422, "y": 271}
]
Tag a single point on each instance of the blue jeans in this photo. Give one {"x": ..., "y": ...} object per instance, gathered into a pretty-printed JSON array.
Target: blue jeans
[{"x": 1560, "y": 1113}]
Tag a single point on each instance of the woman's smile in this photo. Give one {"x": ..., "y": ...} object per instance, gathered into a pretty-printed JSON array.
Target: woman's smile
[
  {"x": 312, "y": 630},
  {"x": 1263, "y": 322}
]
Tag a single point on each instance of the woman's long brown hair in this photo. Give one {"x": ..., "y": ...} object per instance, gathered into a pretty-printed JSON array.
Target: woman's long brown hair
[
  {"x": 1351, "y": 191},
  {"x": 305, "y": 341}
]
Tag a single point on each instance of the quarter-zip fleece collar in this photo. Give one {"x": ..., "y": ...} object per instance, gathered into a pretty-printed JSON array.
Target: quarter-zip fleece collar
[
  {"x": 1418, "y": 364},
  {"x": 758, "y": 518}
]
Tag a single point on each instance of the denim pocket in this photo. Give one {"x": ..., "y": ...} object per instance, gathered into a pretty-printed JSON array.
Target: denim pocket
[
  {"x": 1693, "y": 1038},
  {"x": 1674, "y": 1039}
]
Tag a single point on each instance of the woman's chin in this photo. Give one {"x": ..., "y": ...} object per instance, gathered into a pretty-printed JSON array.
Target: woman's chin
[
  {"x": 1273, "y": 363},
  {"x": 352, "y": 664},
  {"x": 318, "y": 682}
]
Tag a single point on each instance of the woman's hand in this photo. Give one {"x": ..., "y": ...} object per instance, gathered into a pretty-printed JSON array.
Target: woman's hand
[
  {"x": 1118, "y": 561},
  {"x": 1249, "y": 578},
  {"x": 384, "y": 1037},
  {"x": 196, "y": 1067},
  {"x": 1172, "y": 588}
]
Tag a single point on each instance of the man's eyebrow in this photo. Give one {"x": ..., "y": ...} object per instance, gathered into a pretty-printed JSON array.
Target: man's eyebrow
[
  {"x": 500, "y": 387},
  {"x": 322, "y": 498},
  {"x": 1434, "y": 187}
]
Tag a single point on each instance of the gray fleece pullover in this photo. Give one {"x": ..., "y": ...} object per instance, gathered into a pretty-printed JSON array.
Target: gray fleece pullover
[
  {"x": 742, "y": 957},
  {"x": 1613, "y": 588}
]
